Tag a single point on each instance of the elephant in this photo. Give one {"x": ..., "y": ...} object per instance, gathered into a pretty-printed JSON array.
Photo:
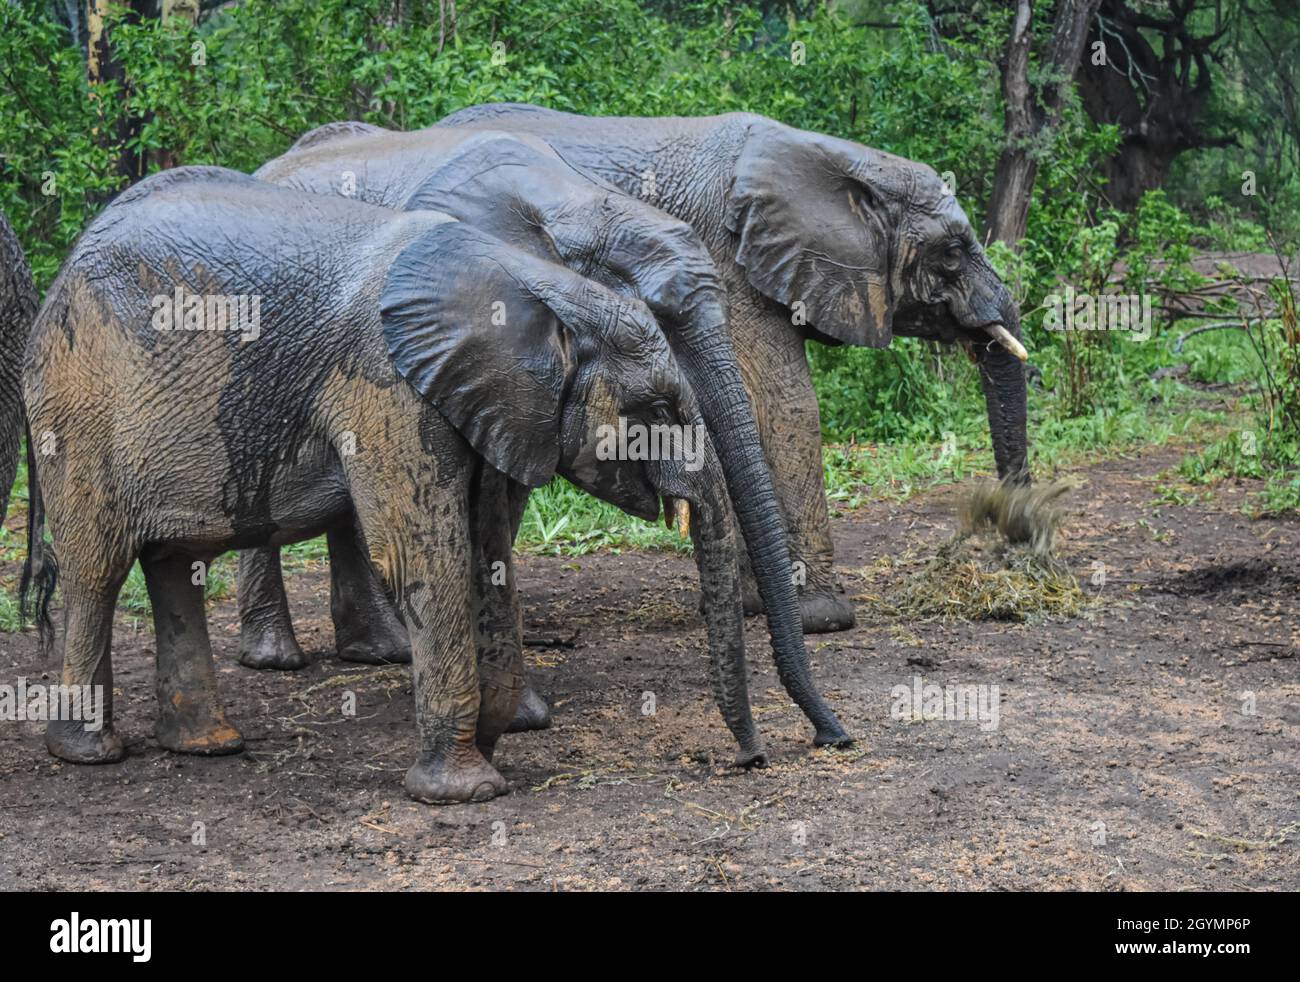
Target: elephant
[
  {"x": 520, "y": 191},
  {"x": 17, "y": 311},
  {"x": 816, "y": 238},
  {"x": 228, "y": 364}
]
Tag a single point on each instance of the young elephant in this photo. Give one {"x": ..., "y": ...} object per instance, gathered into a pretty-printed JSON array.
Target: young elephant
[
  {"x": 223, "y": 364},
  {"x": 521, "y": 192}
]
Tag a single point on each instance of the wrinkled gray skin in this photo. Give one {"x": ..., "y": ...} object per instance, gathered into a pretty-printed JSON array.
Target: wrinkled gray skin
[
  {"x": 815, "y": 237},
  {"x": 17, "y": 310},
  {"x": 405, "y": 362},
  {"x": 519, "y": 191}
]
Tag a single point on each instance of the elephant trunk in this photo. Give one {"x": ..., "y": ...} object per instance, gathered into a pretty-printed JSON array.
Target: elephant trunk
[
  {"x": 1003, "y": 377},
  {"x": 703, "y": 348},
  {"x": 724, "y": 617}
]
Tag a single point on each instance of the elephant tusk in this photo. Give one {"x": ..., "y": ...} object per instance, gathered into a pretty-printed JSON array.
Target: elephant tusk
[
  {"x": 1003, "y": 337},
  {"x": 677, "y": 515}
]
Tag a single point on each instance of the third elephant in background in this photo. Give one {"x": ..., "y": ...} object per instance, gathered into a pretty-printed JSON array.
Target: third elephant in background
[{"x": 814, "y": 237}]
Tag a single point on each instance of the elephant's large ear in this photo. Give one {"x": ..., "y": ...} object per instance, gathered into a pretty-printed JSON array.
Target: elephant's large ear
[
  {"x": 810, "y": 213},
  {"x": 518, "y": 189},
  {"x": 497, "y": 182},
  {"x": 465, "y": 325}
]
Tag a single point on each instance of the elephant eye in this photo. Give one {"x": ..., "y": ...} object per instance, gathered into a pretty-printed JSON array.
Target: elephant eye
[{"x": 953, "y": 255}]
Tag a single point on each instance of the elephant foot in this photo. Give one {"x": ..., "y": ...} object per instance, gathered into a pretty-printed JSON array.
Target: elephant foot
[
  {"x": 832, "y": 737},
  {"x": 752, "y": 758},
  {"x": 369, "y": 654},
  {"x": 70, "y": 740},
  {"x": 531, "y": 714},
  {"x": 186, "y": 729},
  {"x": 455, "y": 779},
  {"x": 822, "y": 613},
  {"x": 826, "y": 613},
  {"x": 271, "y": 650},
  {"x": 382, "y": 645}
]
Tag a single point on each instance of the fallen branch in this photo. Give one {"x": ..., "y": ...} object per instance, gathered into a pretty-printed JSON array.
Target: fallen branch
[{"x": 1216, "y": 326}]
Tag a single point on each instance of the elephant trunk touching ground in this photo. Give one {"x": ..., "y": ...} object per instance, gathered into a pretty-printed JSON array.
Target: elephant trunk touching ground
[
  {"x": 17, "y": 311},
  {"x": 724, "y": 618},
  {"x": 706, "y": 354}
]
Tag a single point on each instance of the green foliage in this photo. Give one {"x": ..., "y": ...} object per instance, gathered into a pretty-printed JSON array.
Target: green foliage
[
  {"x": 243, "y": 85},
  {"x": 560, "y": 519}
]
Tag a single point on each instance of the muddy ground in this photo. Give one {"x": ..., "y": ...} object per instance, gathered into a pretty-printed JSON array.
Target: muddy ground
[{"x": 1126, "y": 755}]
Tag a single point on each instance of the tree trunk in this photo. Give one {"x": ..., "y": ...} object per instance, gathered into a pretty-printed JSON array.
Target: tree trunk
[
  {"x": 1033, "y": 112},
  {"x": 103, "y": 69},
  {"x": 1155, "y": 86}
]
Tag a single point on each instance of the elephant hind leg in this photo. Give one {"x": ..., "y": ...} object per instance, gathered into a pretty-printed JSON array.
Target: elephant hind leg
[
  {"x": 266, "y": 638},
  {"x": 190, "y": 717},
  {"x": 366, "y": 626},
  {"x": 87, "y": 672}
]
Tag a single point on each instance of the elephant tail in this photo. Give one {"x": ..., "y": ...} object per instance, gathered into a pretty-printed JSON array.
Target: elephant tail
[{"x": 40, "y": 571}]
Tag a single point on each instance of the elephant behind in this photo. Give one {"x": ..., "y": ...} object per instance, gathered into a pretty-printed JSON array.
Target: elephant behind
[
  {"x": 17, "y": 311},
  {"x": 228, "y": 364},
  {"x": 816, "y": 238}
]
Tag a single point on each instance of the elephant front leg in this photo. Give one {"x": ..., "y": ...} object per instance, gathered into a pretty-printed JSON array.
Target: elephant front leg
[
  {"x": 366, "y": 628},
  {"x": 450, "y": 766},
  {"x": 417, "y": 532},
  {"x": 266, "y": 638},
  {"x": 776, "y": 373},
  {"x": 190, "y": 717}
]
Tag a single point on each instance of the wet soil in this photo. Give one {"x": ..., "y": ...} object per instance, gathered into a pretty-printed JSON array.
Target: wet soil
[{"x": 1152, "y": 743}]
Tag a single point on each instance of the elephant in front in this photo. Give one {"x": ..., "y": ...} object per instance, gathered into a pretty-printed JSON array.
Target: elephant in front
[
  {"x": 519, "y": 190},
  {"x": 815, "y": 238},
  {"x": 226, "y": 364},
  {"x": 17, "y": 310}
]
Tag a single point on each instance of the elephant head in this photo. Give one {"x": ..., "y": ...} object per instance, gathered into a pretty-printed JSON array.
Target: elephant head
[
  {"x": 867, "y": 245},
  {"x": 544, "y": 371}
]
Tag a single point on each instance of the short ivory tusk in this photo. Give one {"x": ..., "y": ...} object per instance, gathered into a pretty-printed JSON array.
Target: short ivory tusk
[
  {"x": 683, "y": 518},
  {"x": 1004, "y": 338}
]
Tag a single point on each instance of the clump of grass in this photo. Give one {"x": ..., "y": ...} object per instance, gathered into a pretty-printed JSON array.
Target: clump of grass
[
  {"x": 1000, "y": 567},
  {"x": 1025, "y": 515}
]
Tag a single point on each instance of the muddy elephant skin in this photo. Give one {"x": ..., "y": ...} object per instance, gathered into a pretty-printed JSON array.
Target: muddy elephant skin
[{"x": 226, "y": 364}]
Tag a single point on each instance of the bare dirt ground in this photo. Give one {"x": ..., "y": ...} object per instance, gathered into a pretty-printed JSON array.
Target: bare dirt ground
[{"x": 1126, "y": 755}]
